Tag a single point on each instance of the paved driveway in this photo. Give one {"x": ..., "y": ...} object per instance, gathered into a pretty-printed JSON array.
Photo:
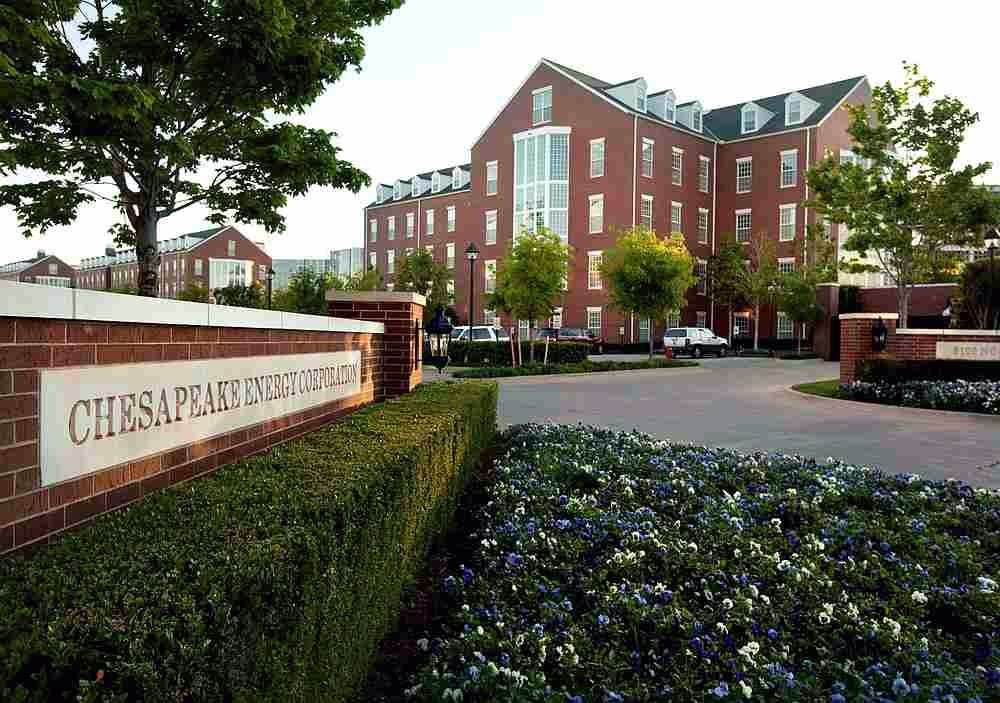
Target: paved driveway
[{"x": 746, "y": 404}]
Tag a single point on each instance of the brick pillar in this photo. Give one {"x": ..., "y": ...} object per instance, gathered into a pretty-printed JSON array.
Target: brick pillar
[
  {"x": 856, "y": 340},
  {"x": 402, "y": 344},
  {"x": 828, "y": 298}
]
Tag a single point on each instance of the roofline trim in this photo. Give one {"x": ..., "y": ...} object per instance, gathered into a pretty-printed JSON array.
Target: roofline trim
[
  {"x": 863, "y": 79},
  {"x": 797, "y": 128},
  {"x": 507, "y": 101},
  {"x": 414, "y": 199}
]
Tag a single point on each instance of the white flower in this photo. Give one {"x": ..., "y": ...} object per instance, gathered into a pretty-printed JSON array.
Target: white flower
[
  {"x": 423, "y": 644},
  {"x": 747, "y": 690},
  {"x": 824, "y": 619},
  {"x": 727, "y": 604},
  {"x": 918, "y": 598},
  {"x": 986, "y": 584}
]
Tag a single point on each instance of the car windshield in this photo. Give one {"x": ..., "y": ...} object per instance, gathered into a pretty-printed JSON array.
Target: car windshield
[
  {"x": 458, "y": 332},
  {"x": 481, "y": 334},
  {"x": 572, "y": 332},
  {"x": 676, "y": 333}
]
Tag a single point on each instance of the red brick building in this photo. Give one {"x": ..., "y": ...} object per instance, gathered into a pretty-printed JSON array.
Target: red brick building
[
  {"x": 215, "y": 258},
  {"x": 44, "y": 270},
  {"x": 587, "y": 158}
]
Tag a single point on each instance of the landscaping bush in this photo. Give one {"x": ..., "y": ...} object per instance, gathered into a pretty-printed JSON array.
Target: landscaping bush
[
  {"x": 498, "y": 353},
  {"x": 610, "y": 567},
  {"x": 581, "y": 367},
  {"x": 271, "y": 580},
  {"x": 794, "y": 356},
  {"x": 897, "y": 371},
  {"x": 969, "y": 396}
]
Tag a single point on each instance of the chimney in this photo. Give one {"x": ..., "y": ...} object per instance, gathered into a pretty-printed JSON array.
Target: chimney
[
  {"x": 109, "y": 251},
  {"x": 41, "y": 253}
]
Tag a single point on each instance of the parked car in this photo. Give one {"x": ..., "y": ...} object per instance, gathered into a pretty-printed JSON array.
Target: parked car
[
  {"x": 695, "y": 341},
  {"x": 480, "y": 333},
  {"x": 570, "y": 334}
]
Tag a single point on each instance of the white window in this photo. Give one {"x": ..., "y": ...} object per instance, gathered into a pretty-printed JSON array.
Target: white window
[
  {"x": 701, "y": 272},
  {"x": 53, "y": 281},
  {"x": 429, "y": 217},
  {"x": 229, "y": 272},
  {"x": 670, "y": 107},
  {"x": 53, "y": 269},
  {"x": 793, "y": 111},
  {"x": 702, "y": 226},
  {"x": 704, "y": 173},
  {"x": 397, "y": 191},
  {"x": 786, "y": 265},
  {"x": 646, "y": 212},
  {"x": 647, "y": 157},
  {"x": 557, "y": 318},
  {"x": 392, "y": 227},
  {"x": 744, "y": 174},
  {"x": 451, "y": 291},
  {"x": 429, "y": 248},
  {"x": 490, "y": 318},
  {"x": 597, "y": 157},
  {"x": 789, "y": 168},
  {"x": 491, "y": 177},
  {"x": 410, "y": 219},
  {"x": 786, "y": 222},
  {"x": 594, "y": 259},
  {"x": 701, "y": 319},
  {"x": 676, "y": 166},
  {"x": 491, "y": 227},
  {"x": 231, "y": 247},
  {"x": 490, "y": 272},
  {"x": 541, "y": 182},
  {"x": 644, "y": 329},
  {"x": 435, "y": 182},
  {"x": 848, "y": 157},
  {"x": 786, "y": 328},
  {"x": 390, "y": 261},
  {"x": 673, "y": 319},
  {"x": 451, "y": 218},
  {"x": 541, "y": 105},
  {"x": 594, "y": 320},
  {"x": 372, "y": 262},
  {"x": 749, "y": 119},
  {"x": 198, "y": 267},
  {"x": 743, "y": 225},
  {"x": 596, "y": 213},
  {"x": 675, "y": 217},
  {"x": 450, "y": 249},
  {"x": 696, "y": 117}
]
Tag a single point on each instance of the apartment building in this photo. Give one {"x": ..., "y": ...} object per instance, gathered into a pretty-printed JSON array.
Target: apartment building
[
  {"x": 216, "y": 258},
  {"x": 44, "y": 269},
  {"x": 342, "y": 263},
  {"x": 588, "y": 158}
]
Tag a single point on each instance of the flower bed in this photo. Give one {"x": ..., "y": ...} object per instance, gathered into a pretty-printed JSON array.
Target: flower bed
[
  {"x": 581, "y": 367},
  {"x": 612, "y": 567},
  {"x": 970, "y": 396}
]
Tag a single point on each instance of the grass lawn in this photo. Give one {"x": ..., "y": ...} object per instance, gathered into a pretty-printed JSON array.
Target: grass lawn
[
  {"x": 827, "y": 389},
  {"x": 581, "y": 367}
]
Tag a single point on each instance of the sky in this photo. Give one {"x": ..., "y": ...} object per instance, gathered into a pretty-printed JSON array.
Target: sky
[{"x": 437, "y": 72}]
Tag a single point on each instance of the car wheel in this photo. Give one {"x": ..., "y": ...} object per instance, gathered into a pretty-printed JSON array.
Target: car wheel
[
  {"x": 696, "y": 353},
  {"x": 723, "y": 351}
]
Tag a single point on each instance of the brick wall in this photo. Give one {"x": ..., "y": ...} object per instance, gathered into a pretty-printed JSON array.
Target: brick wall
[
  {"x": 856, "y": 341},
  {"x": 32, "y": 514}
]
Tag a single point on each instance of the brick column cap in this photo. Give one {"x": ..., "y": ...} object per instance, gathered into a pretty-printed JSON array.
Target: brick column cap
[
  {"x": 377, "y": 296},
  {"x": 828, "y": 285},
  {"x": 869, "y": 316},
  {"x": 950, "y": 332}
]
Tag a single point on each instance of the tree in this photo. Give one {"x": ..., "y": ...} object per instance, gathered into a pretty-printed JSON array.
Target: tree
[
  {"x": 979, "y": 295},
  {"x": 760, "y": 279},
  {"x": 157, "y": 107},
  {"x": 532, "y": 279},
  {"x": 306, "y": 292},
  {"x": 797, "y": 299},
  {"x": 725, "y": 273},
  {"x": 251, "y": 296},
  {"x": 648, "y": 276},
  {"x": 901, "y": 197},
  {"x": 195, "y": 293},
  {"x": 419, "y": 273},
  {"x": 370, "y": 279}
]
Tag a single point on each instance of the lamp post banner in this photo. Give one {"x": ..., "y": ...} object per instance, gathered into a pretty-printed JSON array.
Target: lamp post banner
[{"x": 95, "y": 417}]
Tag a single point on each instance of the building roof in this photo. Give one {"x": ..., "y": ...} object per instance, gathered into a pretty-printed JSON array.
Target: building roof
[
  {"x": 427, "y": 176},
  {"x": 203, "y": 234},
  {"x": 725, "y": 122}
]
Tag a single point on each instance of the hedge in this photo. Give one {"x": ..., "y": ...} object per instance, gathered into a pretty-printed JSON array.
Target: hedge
[
  {"x": 498, "y": 353},
  {"x": 901, "y": 371},
  {"x": 271, "y": 580}
]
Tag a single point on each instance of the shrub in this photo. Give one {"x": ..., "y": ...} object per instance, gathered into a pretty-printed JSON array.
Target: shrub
[
  {"x": 271, "y": 580},
  {"x": 897, "y": 371},
  {"x": 498, "y": 353},
  {"x": 609, "y": 566},
  {"x": 978, "y": 304},
  {"x": 970, "y": 396},
  {"x": 745, "y": 342},
  {"x": 580, "y": 367}
]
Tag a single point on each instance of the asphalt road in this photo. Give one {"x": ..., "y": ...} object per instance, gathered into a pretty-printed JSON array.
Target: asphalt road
[{"x": 746, "y": 404}]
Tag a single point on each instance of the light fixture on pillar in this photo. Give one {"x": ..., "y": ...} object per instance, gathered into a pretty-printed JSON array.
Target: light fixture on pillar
[
  {"x": 270, "y": 285},
  {"x": 472, "y": 253},
  {"x": 880, "y": 335},
  {"x": 438, "y": 336}
]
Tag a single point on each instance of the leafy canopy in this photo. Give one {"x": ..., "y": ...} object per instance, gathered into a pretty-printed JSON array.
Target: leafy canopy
[
  {"x": 725, "y": 271},
  {"x": 419, "y": 273},
  {"x": 647, "y": 275},
  {"x": 532, "y": 280}
]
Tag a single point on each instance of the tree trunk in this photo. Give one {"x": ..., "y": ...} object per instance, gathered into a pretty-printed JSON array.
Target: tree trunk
[
  {"x": 148, "y": 257},
  {"x": 756, "y": 327},
  {"x": 650, "y": 339},
  {"x": 800, "y": 340},
  {"x": 531, "y": 342},
  {"x": 903, "y": 306},
  {"x": 730, "y": 323}
]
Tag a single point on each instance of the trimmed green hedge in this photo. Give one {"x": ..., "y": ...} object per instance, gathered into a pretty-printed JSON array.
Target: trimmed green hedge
[
  {"x": 904, "y": 370},
  {"x": 498, "y": 353},
  {"x": 582, "y": 367},
  {"x": 271, "y": 580}
]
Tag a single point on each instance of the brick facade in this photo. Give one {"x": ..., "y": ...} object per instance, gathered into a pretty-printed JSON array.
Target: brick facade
[{"x": 42, "y": 269}]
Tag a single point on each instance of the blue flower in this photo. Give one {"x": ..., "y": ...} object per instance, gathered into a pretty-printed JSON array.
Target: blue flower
[
  {"x": 900, "y": 687},
  {"x": 837, "y": 698},
  {"x": 603, "y": 620},
  {"x": 722, "y": 690},
  {"x": 467, "y": 575}
]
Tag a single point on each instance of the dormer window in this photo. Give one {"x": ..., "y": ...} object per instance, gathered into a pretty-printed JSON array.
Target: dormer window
[
  {"x": 749, "y": 119},
  {"x": 456, "y": 178},
  {"x": 435, "y": 182},
  {"x": 670, "y": 107},
  {"x": 640, "y": 97},
  {"x": 397, "y": 191},
  {"x": 696, "y": 117},
  {"x": 793, "y": 110}
]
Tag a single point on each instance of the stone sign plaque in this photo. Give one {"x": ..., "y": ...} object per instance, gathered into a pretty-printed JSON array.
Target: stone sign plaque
[
  {"x": 95, "y": 417},
  {"x": 969, "y": 351}
]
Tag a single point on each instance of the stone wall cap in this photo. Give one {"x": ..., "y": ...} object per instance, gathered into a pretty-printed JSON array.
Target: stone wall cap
[
  {"x": 828, "y": 285},
  {"x": 377, "y": 296},
  {"x": 950, "y": 333},
  {"x": 869, "y": 316}
]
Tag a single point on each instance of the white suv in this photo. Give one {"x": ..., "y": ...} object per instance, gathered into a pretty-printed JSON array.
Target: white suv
[
  {"x": 480, "y": 333},
  {"x": 695, "y": 341}
]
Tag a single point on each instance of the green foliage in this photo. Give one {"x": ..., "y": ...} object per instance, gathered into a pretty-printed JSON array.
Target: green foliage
[
  {"x": 978, "y": 304},
  {"x": 271, "y": 580},
  {"x": 238, "y": 296},
  {"x": 578, "y": 367},
  {"x": 530, "y": 284},
  {"x": 797, "y": 298},
  {"x": 759, "y": 281},
  {"x": 419, "y": 273},
  {"x": 903, "y": 370},
  {"x": 167, "y": 91},
  {"x": 725, "y": 276},
  {"x": 825, "y": 389},
  {"x": 370, "y": 279},
  {"x": 125, "y": 290},
  {"x": 849, "y": 299},
  {"x": 195, "y": 293},
  {"x": 648, "y": 276},
  {"x": 498, "y": 353},
  {"x": 306, "y": 292},
  {"x": 906, "y": 200}
]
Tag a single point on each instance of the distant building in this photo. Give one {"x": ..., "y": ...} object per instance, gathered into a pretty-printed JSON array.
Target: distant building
[
  {"x": 215, "y": 258},
  {"x": 43, "y": 269},
  {"x": 347, "y": 262},
  {"x": 343, "y": 263}
]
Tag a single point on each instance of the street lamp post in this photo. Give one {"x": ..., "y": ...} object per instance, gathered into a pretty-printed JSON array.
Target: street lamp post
[
  {"x": 472, "y": 253},
  {"x": 270, "y": 283},
  {"x": 993, "y": 280}
]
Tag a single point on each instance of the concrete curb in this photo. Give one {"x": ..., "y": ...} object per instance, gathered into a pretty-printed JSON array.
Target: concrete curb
[{"x": 904, "y": 408}]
